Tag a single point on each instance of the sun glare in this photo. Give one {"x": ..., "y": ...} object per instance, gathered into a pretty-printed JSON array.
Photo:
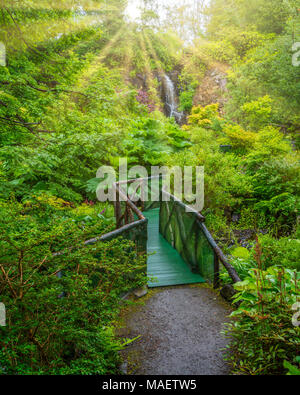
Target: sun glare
[{"x": 133, "y": 11}]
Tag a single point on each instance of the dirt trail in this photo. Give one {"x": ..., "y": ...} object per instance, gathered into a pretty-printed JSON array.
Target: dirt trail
[{"x": 180, "y": 333}]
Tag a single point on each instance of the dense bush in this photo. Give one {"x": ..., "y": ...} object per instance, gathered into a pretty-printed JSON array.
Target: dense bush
[
  {"x": 263, "y": 335},
  {"x": 260, "y": 174},
  {"x": 268, "y": 70},
  {"x": 284, "y": 252},
  {"x": 61, "y": 296},
  {"x": 264, "y": 338}
]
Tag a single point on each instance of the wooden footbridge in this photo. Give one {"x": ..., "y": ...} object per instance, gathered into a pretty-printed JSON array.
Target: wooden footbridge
[
  {"x": 165, "y": 266},
  {"x": 180, "y": 248}
]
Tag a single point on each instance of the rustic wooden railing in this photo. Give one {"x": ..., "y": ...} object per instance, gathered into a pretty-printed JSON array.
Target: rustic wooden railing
[
  {"x": 129, "y": 208},
  {"x": 201, "y": 230},
  {"x": 127, "y": 213},
  {"x": 132, "y": 224},
  {"x": 220, "y": 257}
]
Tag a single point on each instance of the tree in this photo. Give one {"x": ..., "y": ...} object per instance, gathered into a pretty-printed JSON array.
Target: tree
[
  {"x": 266, "y": 16},
  {"x": 150, "y": 14},
  {"x": 186, "y": 18}
]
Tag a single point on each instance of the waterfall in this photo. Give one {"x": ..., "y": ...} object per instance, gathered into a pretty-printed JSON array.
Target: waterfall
[
  {"x": 170, "y": 95},
  {"x": 171, "y": 103}
]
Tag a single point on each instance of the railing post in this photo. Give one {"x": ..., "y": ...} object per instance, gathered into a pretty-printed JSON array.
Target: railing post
[
  {"x": 142, "y": 196},
  {"x": 130, "y": 215},
  {"x": 117, "y": 209},
  {"x": 216, "y": 271}
]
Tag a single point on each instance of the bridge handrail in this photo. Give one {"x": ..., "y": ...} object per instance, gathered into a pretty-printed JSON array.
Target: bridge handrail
[
  {"x": 130, "y": 222},
  {"x": 219, "y": 255}
]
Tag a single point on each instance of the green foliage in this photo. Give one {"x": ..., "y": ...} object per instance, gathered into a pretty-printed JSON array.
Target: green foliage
[
  {"x": 204, "y": 117},
  {"x": 62, "y": 116},
  {"x": 61, "y": 324},
  {"x": 187, "y": 84},
  {"x": 240, "y": 252},
  {"x": 266, "y": 16},
  {"x": 221, "y": 51},
  {"x": 284, "y": 252},
  {"x": 186, "y": 99},
  {"x": 258, "y": 177},
  {"x": 241, "y": 140},
  {"x": 292, "y": 369},
  {"x": 226, "y": 184},
  {"x": 26, "y": 14},
  {"x": 239, "y": 41},
  {"x": 152, "y": 141},
  {"x": 167, "y": 46},
  {"x": 258, "y": 113},
  {"x": 241, "y": 265},
  {"x": 269, "y": 186},
  {"x": 276, "y": 188},
  {"x": 263, "y": 334},
  {"x": 268, "y": 70}
]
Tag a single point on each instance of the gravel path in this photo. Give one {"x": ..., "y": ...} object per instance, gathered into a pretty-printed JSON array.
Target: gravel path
[{"x": 180, "y": 333}]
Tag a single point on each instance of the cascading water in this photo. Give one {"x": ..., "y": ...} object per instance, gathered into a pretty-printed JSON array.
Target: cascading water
[{"x": 170, "y": 97}]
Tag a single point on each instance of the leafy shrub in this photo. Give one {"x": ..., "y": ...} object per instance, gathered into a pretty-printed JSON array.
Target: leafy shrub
[
  {"x": 222, "y": 51},
  {"x": 241, "y": 266},
  {"x": 240, "y": 252},
  {"x": 241, "y": 140},
  {"x": 60, "y": 305},
  {"x": 258, "y": 112},
  {"x": 267, "y": 70},
  {"x": 242, "y": 40},
  {"x": 292, "y": 369},
  {"x": 276, "y": 188},
  {"x": 203, "y": 116},
  {"x": 270, "y": 141},
  {"x": 143, "y": 98},
  {"x": 284, "y": 252},
  {"x": 150, "y": 141},
  {"x": 186, "y": 99},
  {"x": 263, "y": 336},
  {"x": 226, "y": 184}
]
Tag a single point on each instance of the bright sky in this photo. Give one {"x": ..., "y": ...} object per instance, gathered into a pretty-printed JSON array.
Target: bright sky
[
  {"x": 133, "y": 14},
  {"x": 133, "y": 6},
  {"x": 132, "y": 9}
]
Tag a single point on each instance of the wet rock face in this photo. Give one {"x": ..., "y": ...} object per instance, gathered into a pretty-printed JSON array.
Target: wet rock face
[
  {"x": 140, "y": 81},
  {"x": 220, "y": 79},
  {"x": 168, "y": 92},
  {"x": 169, "y": 95},
  {"x": 212, "y": 88}
]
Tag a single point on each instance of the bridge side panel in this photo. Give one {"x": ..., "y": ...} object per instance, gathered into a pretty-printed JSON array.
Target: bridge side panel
[
  {"x": 136, "y": 232},
  {"x": 183, "y": 231}
]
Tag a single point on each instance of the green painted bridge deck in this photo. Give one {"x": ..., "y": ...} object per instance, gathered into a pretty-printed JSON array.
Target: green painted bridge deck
[{"x": 165, "y": 266}]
